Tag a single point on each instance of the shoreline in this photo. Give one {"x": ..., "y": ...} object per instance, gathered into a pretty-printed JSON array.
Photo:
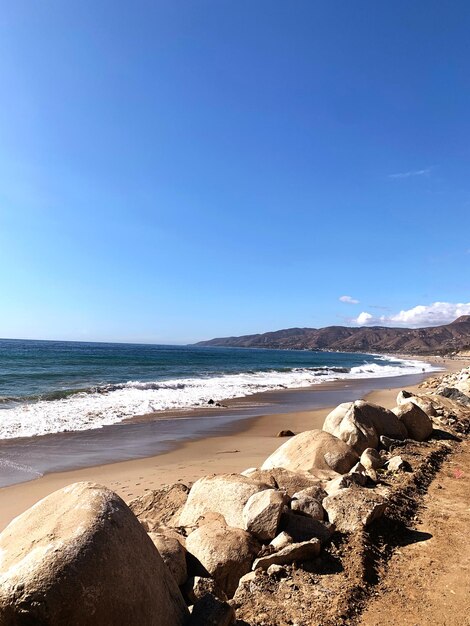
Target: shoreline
[
  {"x": 30, "y": 458},
  {"x": 236, "y": 449}
]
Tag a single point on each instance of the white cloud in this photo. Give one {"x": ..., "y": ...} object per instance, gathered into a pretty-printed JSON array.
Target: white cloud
[
  {"x": 348, "y": 300},
  {"x": 422, "y": 315},
  {"x": 364, "y": 318},
  {"x": 424, "y": 172}
]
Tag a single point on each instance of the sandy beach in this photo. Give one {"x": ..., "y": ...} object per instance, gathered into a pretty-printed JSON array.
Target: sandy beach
[{"x": 247, "y": 445}]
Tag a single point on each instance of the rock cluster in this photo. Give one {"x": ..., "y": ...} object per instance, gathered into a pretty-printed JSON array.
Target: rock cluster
[{"x": 177, "y": 547}]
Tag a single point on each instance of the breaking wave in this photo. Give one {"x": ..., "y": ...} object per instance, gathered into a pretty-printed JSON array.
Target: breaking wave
[{"x": 109, "y": 404}]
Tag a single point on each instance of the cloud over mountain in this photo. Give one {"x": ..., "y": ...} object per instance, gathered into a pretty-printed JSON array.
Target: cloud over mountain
[{"x": 419, "y": 316}]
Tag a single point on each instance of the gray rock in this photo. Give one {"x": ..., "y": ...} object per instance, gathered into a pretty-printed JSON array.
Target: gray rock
[
  {"x": 304, "y": 551},
  {"x": 262, "y": 512},
  {"x": 81, "y": 557},
  {"x": 418, "y": 424},
  {"x": 345, "y": 481},
  {"x": 335, "y": 417},
  {"x": 210, "y": 611},
  {"x": 317, "y": 493},
  {"x": 291, "y": 482},
  {"x": 302, "y": 528},
  {"x": 388, "y": 443},
  {"x": 197, "y": 587},
  {"x": 353, "y": 508},
  {"x": 455, "y": 394},
  {"x": 360, "y": 423},
  {"x": 357, "y": 431},
  {"x": 277, "y": 571},
  {"x": 303, "y": 503},
  {"x": 313, "y": 450},
  {"x": 371, "y": 459},
  {"x": 397, "y": 464},
  {"x": 246, "y": 579},
  {"x": 383, "y": 420},
  {"x": 173, "y": 555},
  {"x": 421, "y": 401},
  {"x": 281, "y": 541},
  {"x": 225, "y": 494},
  {"x": 226, "y": 553}
]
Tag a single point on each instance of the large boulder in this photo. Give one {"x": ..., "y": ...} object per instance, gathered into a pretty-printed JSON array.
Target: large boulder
[
  {"x": 225, "y": 553},
  {"x": 335, "y": 417},
  {"x": 383, "y": 420},
  {"x": 360, "y": 424},
  {"x": 454, "y": 394},
  {"x": 81, "y": 557},
  {"x": 353, "y": 508},
  {"x": 262, "y": 512},
  {"x": 173, "y": 555},
  {"x": 424, "y": 403},
  {"x": 417, "y": 422},
  {"x": 226, "y": 494},
  {"x": 160, "y": 506},
  {"x": 313, "y": 450},
  {"x": 356, "y": 430}
]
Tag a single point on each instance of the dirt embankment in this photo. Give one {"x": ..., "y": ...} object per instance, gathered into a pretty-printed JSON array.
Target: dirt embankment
[
  {"x": 427, "y": 580},
  {"x": 409, "y": 568},
  {"x": 405, "y": 569}
]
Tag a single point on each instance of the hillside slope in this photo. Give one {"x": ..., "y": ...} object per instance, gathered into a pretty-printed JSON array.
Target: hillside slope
[{"x": 436, "y": 339}]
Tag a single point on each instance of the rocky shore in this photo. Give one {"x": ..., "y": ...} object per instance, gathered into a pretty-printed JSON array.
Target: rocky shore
[{"x": 302, "y": 539}]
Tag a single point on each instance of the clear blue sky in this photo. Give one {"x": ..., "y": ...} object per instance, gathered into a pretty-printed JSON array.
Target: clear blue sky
[{"x": 177, "y": 170}]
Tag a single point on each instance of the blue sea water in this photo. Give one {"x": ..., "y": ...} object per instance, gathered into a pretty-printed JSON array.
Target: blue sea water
[{"x": 55, "y": 386}]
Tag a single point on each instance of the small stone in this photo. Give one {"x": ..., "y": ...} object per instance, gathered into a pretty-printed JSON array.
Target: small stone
[
  {"x": 285, "y": 433},
  {"x": 277, "y": 571},
  {"x": 397, "y": 464},
  {"x": 197, "y": 587},
  {"x": 371, "y": 459},
  {"x": 281, "y": 541},
  {"x": 303, "y": 551}
]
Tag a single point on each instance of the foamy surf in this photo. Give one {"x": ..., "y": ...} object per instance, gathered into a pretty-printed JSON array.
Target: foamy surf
[{"x": 110, "y": 404}]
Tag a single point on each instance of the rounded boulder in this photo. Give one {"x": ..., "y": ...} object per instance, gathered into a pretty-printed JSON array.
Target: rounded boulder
[
  {"x": 81, "y": 557},
  {"x": 313, "y": 450},
  {"x": 225, "y": 553}
]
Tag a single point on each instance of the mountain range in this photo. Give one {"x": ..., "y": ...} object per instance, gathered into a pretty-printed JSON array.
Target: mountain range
[{"x": 445, "y": 339}]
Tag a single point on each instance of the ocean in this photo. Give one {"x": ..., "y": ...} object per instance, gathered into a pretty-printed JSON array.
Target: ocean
[{"x": 54, "y": 386}]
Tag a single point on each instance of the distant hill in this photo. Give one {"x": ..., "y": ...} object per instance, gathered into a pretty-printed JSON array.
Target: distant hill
[{"x": 432, "y": 340}]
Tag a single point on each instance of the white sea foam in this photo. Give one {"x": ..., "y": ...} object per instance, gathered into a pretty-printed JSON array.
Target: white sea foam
[{"x": 110, "y": 405}]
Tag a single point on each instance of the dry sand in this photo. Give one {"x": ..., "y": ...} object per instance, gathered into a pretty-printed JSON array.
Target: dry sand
[{"x": 187, "y": 463}]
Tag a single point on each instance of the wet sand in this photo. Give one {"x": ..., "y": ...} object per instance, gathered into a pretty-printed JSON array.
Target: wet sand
[{"x": 238, "y": 445}]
